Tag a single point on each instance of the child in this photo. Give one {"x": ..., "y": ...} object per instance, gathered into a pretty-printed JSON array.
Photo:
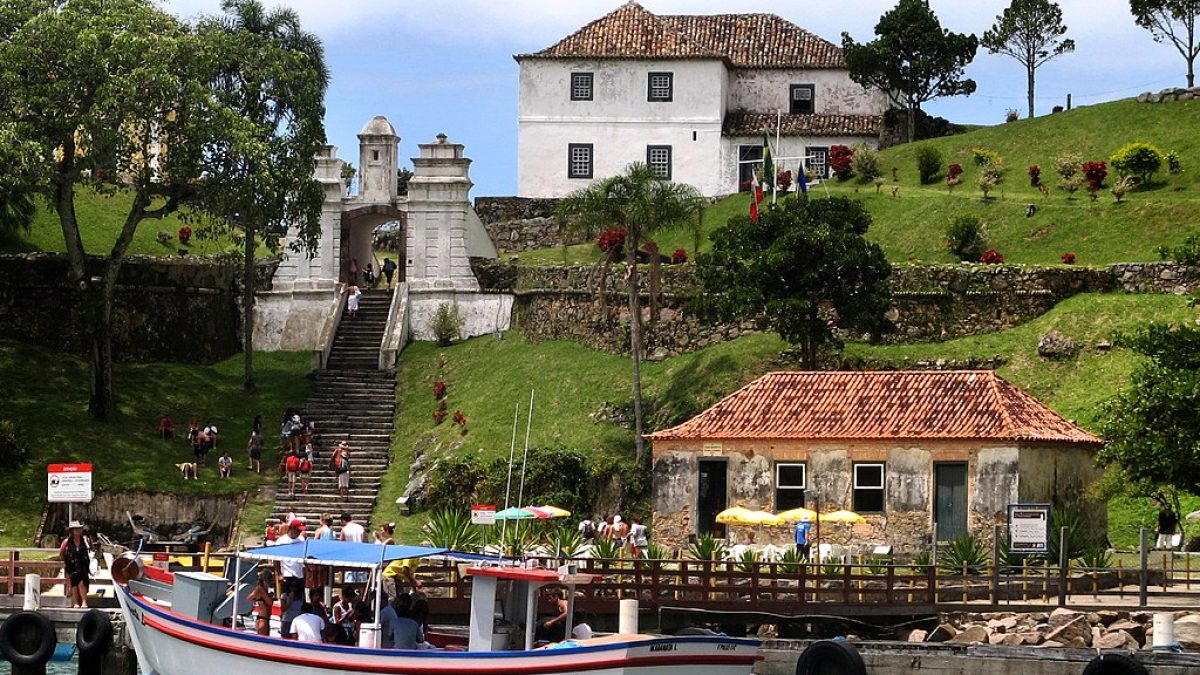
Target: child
[
  {"x": 225, "y": 464},
  {"x": 305, "y": 466}
]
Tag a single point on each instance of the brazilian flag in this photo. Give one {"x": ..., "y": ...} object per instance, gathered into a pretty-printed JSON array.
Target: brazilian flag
[{"x": 768, "y": 165}]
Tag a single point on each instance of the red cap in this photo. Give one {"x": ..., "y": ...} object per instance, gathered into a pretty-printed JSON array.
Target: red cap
[{"x": 297, "y": 523}]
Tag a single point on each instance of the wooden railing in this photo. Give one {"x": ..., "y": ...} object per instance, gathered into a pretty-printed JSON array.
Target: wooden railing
[{"x": 13, "y": 569}]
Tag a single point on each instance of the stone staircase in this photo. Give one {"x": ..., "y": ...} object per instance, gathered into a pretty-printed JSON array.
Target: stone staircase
[{"x": 352, "y": 401}]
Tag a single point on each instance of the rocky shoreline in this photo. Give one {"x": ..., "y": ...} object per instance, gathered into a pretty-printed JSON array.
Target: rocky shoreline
[{"x": 1064, "y": 628}]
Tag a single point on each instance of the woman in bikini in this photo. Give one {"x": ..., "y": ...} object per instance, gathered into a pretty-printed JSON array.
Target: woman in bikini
[{"x": 260, "y": 600}]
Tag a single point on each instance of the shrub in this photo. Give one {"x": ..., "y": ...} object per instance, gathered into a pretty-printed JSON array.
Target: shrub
[
  {"x": 1121, "y": 187},
  {"x": 1137, "y": 159},
  {"x": 185, "y": 235},
  {"x": 1068, "y": 258},
  {"x": 841, "y": 158},
  {"x": 965, "y": 238},
  {"x": 985, "y": 156},
  {"x": 440, "y": 413},
  {"x": 783, "y": 179},
  {"x": 1187, "y": 253},
  {"x": 866, "y": 163},
  {"x": 611, "y": 238},
  {"x": 965, "y": 553},
  {"x": 1095, "y": 558},
  {"x": 460, "y": 419},
  {"x": 653, "y": 551},
  {"x": 13, "y": 451},
  {"x": 991, "y": 257},
  {"x": 747, "y": 561},
  {"x": 895, "y": 174},
  {"x": 164, "y": 238},
  {"x": 929, "y": 163},
  {"x": 990, "y": 177},
  {"x": 1067, "y": 165},
  {"x": 447, "y": 324},
  {"x": 452, "y": 529},
  {"x": 1095, "y": 173},
  {"x": 921, "y": 562},
  {"x": 1035, "y": 175},
  {"x": 1072, "y": 185},
  {"x": 439, "y": 390},
  {"x": 1012, "y": 115},
  {"x": 607, "y": 549},
  {"x": 679, "y": 257},
  {"x": 706, "y": 547},
  {"x": 566, "y": 541},
  {"x": 954, "y": 170},
  {"x": 1174, "y": 166}
]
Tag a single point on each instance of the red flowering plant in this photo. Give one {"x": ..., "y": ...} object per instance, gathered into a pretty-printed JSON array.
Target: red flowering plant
[
  {"x": 679, "y": 257},
  {"x": 841, "y": 157},
  {"x": 611, "y": 239},
  {"x": 439, "y": 390},
  {"x": 784, "y": 180},
  {"x": 954, "y": 171},
  {"x": 1095, "y": 173},
  {"x": 439, "y": 415},
  {"x": 185, "y": 235},
  {"x": 895, "y": 174},
  {"x": 1068, "y": 258},
  {"x": 459, "y": 418},
  {"x": 1035, "y": 175},
  {"x": 991, "y": 257}
]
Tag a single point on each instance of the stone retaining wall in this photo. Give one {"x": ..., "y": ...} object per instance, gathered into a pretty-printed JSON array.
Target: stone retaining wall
[
  {"x": 522, "y": 224},
  {"x": 166, "y": 308},
  {"x": 1170, "y": 94}
]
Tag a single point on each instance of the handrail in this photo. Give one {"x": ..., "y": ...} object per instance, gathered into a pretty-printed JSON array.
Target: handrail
[
  {"x": 395, "y": 334},
  {"x": 320, "y": 355}
]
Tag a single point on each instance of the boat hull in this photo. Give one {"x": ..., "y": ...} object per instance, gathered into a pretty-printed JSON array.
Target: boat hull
[{"x": 169, "y": 644}]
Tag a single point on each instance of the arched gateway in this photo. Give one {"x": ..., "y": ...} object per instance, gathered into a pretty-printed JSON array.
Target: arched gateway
[{"x": 441, "y": 234}]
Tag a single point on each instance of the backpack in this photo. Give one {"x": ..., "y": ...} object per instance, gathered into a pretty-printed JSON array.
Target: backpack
[
  {"x": 293, "y": 463},
  {"x": 305, "y": 466},
  {"x": 589, "y": 530},
  {"x": 342, "y": 465}
]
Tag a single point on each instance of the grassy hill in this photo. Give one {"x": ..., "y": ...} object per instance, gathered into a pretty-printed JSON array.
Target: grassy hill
[
  {"x": 45, "y": 395},
  {"x": 910, "y": 226}
]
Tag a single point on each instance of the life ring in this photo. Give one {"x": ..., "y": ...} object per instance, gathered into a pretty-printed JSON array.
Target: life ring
[
  {"x": 830, "y": 656},
  {"x": 1115, "y": 663},
  {"x": 93, "y": 633},
  {"x": 26, "y": 623}
]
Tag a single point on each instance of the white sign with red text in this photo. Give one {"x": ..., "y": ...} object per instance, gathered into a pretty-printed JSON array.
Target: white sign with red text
[
  {"x": 483, "y": 514},
  {"x": 69, "y": 483}
]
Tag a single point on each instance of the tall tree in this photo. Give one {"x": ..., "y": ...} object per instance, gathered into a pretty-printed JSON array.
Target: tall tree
[
  {"x": 103, "y": 88},
  {"x": 1030, "y": 31},
  {"x": 640, "y": 202},
  {"x": 22, "y": 172},
  {"x": 803, "y": 268},
  {"x": 272, "y": 75},
  {"x": 1152, "y": 428},
  {"x": 1172, "y": 21},
  {"x": 912, "y": 58}
]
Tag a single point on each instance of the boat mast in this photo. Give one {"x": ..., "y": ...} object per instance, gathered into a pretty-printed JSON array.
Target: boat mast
[
  {"x": 525, "y": 457},
  {"x": 512, "y": 450}
]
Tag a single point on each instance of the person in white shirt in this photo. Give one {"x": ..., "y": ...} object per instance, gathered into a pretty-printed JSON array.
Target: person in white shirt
[
  {"x": 352, "y": 531},
  {"x": 292, "y": 572},
  {"x": 308, "y": 627}
]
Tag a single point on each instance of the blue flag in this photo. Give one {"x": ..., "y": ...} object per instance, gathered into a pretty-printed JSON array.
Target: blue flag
[{"x": 801, "y": 180}]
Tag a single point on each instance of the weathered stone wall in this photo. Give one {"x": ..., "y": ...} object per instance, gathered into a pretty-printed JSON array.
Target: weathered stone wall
[
  {"x": 165, "y": 513},
  {"x": 523, "y": 224},
  {"x": 1170, "y": 94},
  {"x": 166, "y": 309}
]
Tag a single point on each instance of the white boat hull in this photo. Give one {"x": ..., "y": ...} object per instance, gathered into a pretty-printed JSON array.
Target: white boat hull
[{"x": 169, "y": 644}]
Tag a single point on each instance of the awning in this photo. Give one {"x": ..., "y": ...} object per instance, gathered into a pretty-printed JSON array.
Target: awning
[{"x": 340, "y": 553}]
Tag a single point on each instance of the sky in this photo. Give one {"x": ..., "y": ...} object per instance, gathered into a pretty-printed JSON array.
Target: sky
[{"x": 447, "y": 67}]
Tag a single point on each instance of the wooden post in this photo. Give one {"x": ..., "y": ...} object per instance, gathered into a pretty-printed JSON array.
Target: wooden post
[
  {"x": 932, "y": 584},
  {"x": 846, "y": 583},
  {"x": 1144, "y": 573},
  {"x": 995, "y": 565},
  {"x": 889, "y": 584},
  {"x": 1064, "y": 559},
  {"x": 12, "y": 572}
]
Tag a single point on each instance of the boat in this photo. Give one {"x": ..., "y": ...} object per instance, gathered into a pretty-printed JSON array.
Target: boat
[{"x": 177, "y": 624}]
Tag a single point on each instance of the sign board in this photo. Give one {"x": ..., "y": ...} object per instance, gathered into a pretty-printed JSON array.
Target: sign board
[
  {"x": 483, "y": 514},
  {"x": 69, "y": 483},
  {"x": 712, "y": 448},
  {"x": 1029, "y": 528}
]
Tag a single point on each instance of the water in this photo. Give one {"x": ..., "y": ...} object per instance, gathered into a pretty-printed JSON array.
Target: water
[{"x": 52, "y": 668}]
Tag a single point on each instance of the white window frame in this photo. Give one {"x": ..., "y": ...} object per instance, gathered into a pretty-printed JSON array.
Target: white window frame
[
  {"x": 780, "y": 486},
  {"x": 591, "y": 160},
  {"x": 663, "y": 169},
  {"x": 811, "y": 167},
  {"x": 577, "y": 90},
  {"x": 662, "y": 93}
]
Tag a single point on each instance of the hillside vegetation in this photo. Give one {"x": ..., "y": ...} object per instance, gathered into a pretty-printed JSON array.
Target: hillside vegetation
[{"x": 911, "y": 225}]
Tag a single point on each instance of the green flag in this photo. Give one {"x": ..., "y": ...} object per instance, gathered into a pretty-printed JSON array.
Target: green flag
[{"x": 768, "y": 165}]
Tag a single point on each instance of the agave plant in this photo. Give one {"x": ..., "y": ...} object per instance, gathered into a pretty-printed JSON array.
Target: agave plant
[
  {"x": 876, "y": 565},
  {"x": 1095, "y": 558},
  {"x": 964, "y": 553},
  {"x": 452, "y": 529},
  {"x": 607, "y": 549},
  {"x": 747, "y": 561},
  {"x": 566, "y": 542},
  {"x": 706, "y": 547},
  {"x": 832, "y": 570},
  {"x": 791, "y": 560},
  {"x": 653, "y": 551},
  {"x": 921, "y": 562}
]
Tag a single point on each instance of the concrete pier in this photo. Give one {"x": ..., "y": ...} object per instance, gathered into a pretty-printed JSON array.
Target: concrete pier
[{"x": 120, "y": 660}]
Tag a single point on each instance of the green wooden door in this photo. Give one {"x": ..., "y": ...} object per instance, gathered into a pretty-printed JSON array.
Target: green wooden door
[
  {"x": 713, "y": 495},
  {"x": 950, "y": 500}
]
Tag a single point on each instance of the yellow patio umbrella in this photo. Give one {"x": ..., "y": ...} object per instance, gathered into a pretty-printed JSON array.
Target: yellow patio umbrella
[
  {"x": 797, "y": 514},
  {"x": 842, "y": 516},
  {"x": 554, "y": 511},
  {"x": 738, "y": 515}
]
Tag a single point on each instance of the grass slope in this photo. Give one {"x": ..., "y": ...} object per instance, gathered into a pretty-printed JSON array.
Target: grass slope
[
  {"x": 45, "y": 395},
  {"x": 911, "y": 225}
]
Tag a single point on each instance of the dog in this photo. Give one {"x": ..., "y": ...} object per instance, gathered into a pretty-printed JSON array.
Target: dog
[{"x": 188, "y": 469}]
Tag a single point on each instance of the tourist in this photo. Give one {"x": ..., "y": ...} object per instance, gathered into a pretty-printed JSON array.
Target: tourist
[
  {"x": 260, "y": 605},
  {"x": 639, "y": 536},
  {"x": 387, "y": 616},
  {"x": 406, "y": 632},
  {"x": 602, "y": 527},
  {"x": 1168, "y": 520},
  {"x": 316, "y": 597},
  {"x": 309, "y": 626},
  {"x": 553, "y": 629},
  {"x": 76, "y": 555},
  {"x": 352, "y": 531},
  {"x": 254, "y": 447},
  {"x": 325, "y": 531},
  {"x": 225, "y": 464},
  {"x": 587, "y": 530},
  {"x": 210, "y": 430},
  {"x": 305, "y": 466},
  {"x": 295, "y": 431},
  {"x": 345, "y": 628},
  {"x": 166, "y": 428},
  {"x": 196, "y": 437},
  {"x": 402, "y": 571},
  {"x": 383, "y": 535},
  {"x": 292, "y": 572},
  {"x": 291, "y": 605},
  {"x": 341, "y": 467},
  {"x": 389, "y": 271},
  {"x": 270, "y": 535},
  {"x": 619, "y": 531},
  {"x": 292, "y": 469},
  {"x": 352, "y": 297},
  {"x": 802, "y": 539},
  {"x": 285, "y": 432},
  {"x": 369, "y": 276},
  {"x": 354, "y": 271}
]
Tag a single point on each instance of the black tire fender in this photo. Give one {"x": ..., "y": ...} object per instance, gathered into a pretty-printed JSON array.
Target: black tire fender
[
  {"x": 1115, "y": 663},
  {"x": 93, "y": 633},
  {"x": 26, "y": 622},
  {"x": 830, "y": 656}
]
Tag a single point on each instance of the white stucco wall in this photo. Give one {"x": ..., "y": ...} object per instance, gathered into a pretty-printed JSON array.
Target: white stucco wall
[
  {"x": 834, "y": 92},
  {"x": 292, "y": 320},
  {"x": 619, "y": 122},
  {"x": 483, "y": 313},
  {"x": 789, "y": 146}
]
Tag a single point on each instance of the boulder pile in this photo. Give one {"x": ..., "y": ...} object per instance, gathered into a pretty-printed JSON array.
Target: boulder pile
[{"x": 1105, "y": 629}]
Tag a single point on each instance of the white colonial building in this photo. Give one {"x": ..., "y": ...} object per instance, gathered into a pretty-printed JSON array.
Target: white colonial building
[{"x": 692, "y": 96}]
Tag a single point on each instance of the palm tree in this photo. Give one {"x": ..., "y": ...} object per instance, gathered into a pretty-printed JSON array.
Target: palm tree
[{"x": 640, "y": 202}]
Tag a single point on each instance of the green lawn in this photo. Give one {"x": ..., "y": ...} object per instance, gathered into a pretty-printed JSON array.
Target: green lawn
[{"x": 45, "y": 394}]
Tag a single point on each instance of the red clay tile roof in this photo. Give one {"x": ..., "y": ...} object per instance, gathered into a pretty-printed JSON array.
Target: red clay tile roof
[
  {"x": 879, "y": 405},
  {"x": 742, "y": 40},
  {"x": 756, "y": 124}
]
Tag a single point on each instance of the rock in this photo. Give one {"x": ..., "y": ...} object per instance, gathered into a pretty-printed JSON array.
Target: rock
[
  {"x": 1187, "y": 632},
  {"x": 659, "y": 354},
  {"x": 942, "y": 633},
  {"x": 917, "y": 635},
  {"x": 1031, "y": 638},
  {"x": 1137, "y": 630},
  {"x": 1055, "y": 345},
  {"x": 1116, "y": 640},
  {"x": 1062, "y": 616},
  {"x": 1075, "y": 643},
  {"x": 1143, "y": 97},
  {"x": 1051, "y": 644},
  {"x": 1002, "y": 625},
  {"x": 1168, "y": 274},
  {"x": 1107, "y": 616},
  {"x": 1075, "y": 629},
  {"x": 972, "y": 634},
  {"x": 999, "y": 638}
]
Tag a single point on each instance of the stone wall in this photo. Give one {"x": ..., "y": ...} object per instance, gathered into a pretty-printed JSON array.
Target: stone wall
[
  {"x": 165, "y": 513},
  {"x": 519, "y": 224},
  {"x": 1170, "y": 94},
  {"x": 166, "y": 309}
]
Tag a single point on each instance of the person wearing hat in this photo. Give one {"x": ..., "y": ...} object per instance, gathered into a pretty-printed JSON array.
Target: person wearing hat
[
  {"x": 292, "y": 572},
  {"x": 341, "y": 466},
  {"x": 76, "y": 555}
]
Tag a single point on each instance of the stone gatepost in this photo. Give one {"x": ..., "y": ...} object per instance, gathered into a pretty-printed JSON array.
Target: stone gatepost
[{"x": 438, "y": 207}]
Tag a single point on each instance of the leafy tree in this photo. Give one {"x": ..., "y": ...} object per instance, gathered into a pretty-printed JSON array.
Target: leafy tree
[
  {"x": 912, "y": 58},
  {"x": 639, "y": 202},
  {"x": 271, "y": 74},
  {"x": 22, "y": 169},
  {"x": 102, "y": 87},
  {"x": 1030, "y": 31},
  {"x": 802, "y": 269},
  {"x": 1172, "y": 21},
  {"x": 1152, "y": 428}
]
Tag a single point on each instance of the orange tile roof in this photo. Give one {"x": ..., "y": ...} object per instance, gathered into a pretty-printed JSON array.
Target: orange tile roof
[
  {"x": 880, "y": 405},
  {"x": 755, "y": 124},
  {"x": 742, "y": 40}
]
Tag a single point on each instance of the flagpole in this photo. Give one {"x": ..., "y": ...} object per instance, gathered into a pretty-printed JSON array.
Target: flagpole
[
  {"x": 774, "y": 179},
  {"x": 512, "y": 450}
]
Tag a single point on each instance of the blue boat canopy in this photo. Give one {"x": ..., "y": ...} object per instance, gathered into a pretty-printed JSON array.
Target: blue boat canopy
[{"x": 340, "y": 553}]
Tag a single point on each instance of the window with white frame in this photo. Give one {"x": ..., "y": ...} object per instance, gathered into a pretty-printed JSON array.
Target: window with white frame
[
  {"x": 658, "y": 158},
  {"x": 816, "y": 163},
  {"x": 790, "y": 480},
  {"x": 660, "y": 87},
  {"x": 800, "y": 97},
  {"x": 868, "y": 488},
  {"x": 581, "y": 86},
  {"x": 579, "y": 160}
]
